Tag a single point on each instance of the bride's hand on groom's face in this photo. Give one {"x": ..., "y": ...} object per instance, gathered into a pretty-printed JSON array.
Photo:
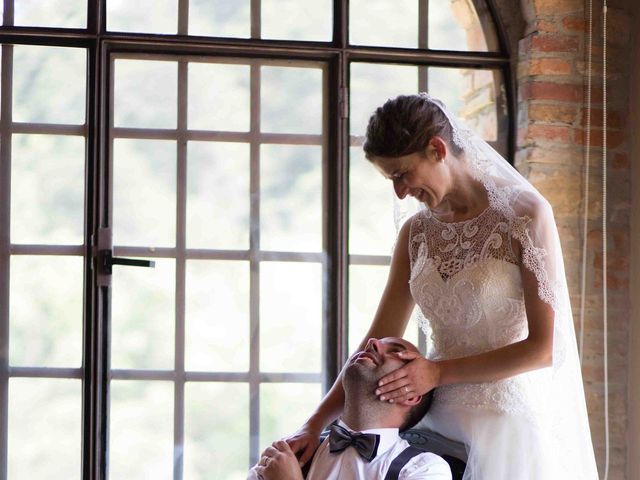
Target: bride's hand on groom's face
[{"x": 416, "y": 377}]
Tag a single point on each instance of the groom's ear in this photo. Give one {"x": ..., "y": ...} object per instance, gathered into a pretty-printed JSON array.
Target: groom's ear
[{"x": 411, "y": 401}]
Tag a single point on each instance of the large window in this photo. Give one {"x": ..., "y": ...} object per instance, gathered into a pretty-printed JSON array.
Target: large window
[{"x": 221, "y": 142}]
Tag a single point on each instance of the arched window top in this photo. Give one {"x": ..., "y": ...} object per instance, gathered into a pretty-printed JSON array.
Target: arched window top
[{"x": 459, "y": 25}]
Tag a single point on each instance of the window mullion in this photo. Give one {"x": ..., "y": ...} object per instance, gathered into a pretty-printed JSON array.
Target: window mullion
[
  {"x": 5, "y": 224},
  {"x": 96, "y": 361},
  {"x": 254, "y": 248},
  {"x": 181, "y": 214},
  {"x": 338, "y": 176},
  {"x": 256, "y": 27}
]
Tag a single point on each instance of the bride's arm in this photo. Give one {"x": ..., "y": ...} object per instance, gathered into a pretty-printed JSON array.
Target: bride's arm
[{"x": 390, "y": 320}]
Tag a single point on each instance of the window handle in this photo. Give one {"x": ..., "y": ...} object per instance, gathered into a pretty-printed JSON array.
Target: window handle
[{"x": 107, "y": 261}]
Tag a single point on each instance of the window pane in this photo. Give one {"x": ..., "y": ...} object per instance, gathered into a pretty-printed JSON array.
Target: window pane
[
  {"x": 470, "y": 95},
  {"x": 290, "y": 317},
  {"x": 143, "y": 302},
  {"x": 452, "y": 25},
  {"x": 366, "y": 283},
  {"x": 216, "y": 431},
  {"x": 149, "y": 16},
  {"x": 49, "y": 84},
  {"x": 144, "y": 192},
  {"x": 51, "y": 13},
  {"x": 47, "y": 189},
  {"x": 376, "y": 22},
  {"x": 218, "y": 195},
  {"x": 456, "y": 25},
  {"x": 374, "y": 84},
  {"x": 217, "y": 316},
  {"x": 291, "y": 198},
  {"x": 372, "y": 229},
  {"x": 145, "y": 93},
  {"x": 220, "y": 18},
  {"x": 218, "y": 97},
  {"x": 141, "y": 430},
  {"x": 46, "y": 311},
  {"x": 296, "y": 20},
  {"x": 44, "y": 428},
  {"x": 284, "y": 407},
  {"x": 412, "y": 330},
  {"x": 291, "y": 100}
]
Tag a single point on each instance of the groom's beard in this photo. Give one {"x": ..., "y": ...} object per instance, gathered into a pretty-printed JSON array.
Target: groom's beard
[{"x": 360, "y": 382}]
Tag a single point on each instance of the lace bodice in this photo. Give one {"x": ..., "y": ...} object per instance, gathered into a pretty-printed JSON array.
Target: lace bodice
[{"x": 465, "y": 277}]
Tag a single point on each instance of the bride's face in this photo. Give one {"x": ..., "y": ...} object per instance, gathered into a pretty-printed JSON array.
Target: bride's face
[{"x": 422, "y": 175}]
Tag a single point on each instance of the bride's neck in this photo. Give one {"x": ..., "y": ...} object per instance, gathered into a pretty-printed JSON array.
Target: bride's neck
[{"x": 466, "y": 197}]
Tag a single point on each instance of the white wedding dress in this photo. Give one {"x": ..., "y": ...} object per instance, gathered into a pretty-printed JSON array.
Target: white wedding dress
[{"x": 466, "y": 280}]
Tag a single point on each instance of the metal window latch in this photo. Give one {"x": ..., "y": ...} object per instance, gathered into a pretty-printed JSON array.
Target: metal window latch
[{"x": 107, "y": 261}]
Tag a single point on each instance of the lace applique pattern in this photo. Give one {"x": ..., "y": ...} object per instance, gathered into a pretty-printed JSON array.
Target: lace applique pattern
[
  {"x": 466, "y": 280},
  {"x": 451, "y": 247},
  {"x": 522, "y": 395}
]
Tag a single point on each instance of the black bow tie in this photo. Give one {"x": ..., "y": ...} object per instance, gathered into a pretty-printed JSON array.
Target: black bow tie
[{"x": 366, "y": 444}]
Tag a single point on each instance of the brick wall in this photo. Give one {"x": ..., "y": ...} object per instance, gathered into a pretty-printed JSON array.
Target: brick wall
[{"x": 552, "y": 117}]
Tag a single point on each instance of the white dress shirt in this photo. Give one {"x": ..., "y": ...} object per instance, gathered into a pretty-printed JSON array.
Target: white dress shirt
[{"x": 349, "y": 465}]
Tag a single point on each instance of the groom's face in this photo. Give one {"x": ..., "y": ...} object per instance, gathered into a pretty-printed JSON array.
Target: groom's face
[{"x": 378, "y": 358}]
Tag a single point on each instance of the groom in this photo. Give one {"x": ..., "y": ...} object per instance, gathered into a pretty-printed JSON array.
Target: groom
[{"x": 364, "y": 445}]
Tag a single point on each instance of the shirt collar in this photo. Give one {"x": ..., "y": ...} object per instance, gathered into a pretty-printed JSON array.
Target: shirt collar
[{"x": 388, "y": 436}]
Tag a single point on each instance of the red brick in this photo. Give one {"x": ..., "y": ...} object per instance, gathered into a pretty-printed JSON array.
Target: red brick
[
  {"x": 615, "y": 138},
  {"x": 575, "y": 24},
  {"x": 554, "y": 43},
  {"x": 557, "y": 7},
  {"x": 553, "y": 154},
  {"x": 620, "y": 239},
  {"x": 561, "y": 92},
  {"x": 560, "y": 186},
  {"x": 556, "y": 133},
  {"x": 617, "y": 271},
  {"x": 596, "y": 71},
  {"x": 555, "y": 113},
  {"x": 546, "y": 26},
  {"x": 549, "y": 66},
  {"x": 615, "y": 281},
  {"x": 596, "y": 95},
  {"x": 614, "y": 118}
]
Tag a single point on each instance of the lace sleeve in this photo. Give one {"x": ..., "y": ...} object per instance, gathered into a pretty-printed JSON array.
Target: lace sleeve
[{"x": 534, "y": 228}]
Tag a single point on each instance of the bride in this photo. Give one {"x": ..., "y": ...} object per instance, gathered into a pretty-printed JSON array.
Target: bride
[{"x": 482, "y": 261}]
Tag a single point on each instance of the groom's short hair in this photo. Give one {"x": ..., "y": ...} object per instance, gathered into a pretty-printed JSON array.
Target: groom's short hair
[{"x": 418, "y": 411}]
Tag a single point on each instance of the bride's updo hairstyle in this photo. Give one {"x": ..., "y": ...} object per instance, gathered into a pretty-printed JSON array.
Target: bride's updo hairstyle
[{"x": 405, "y": 125}]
